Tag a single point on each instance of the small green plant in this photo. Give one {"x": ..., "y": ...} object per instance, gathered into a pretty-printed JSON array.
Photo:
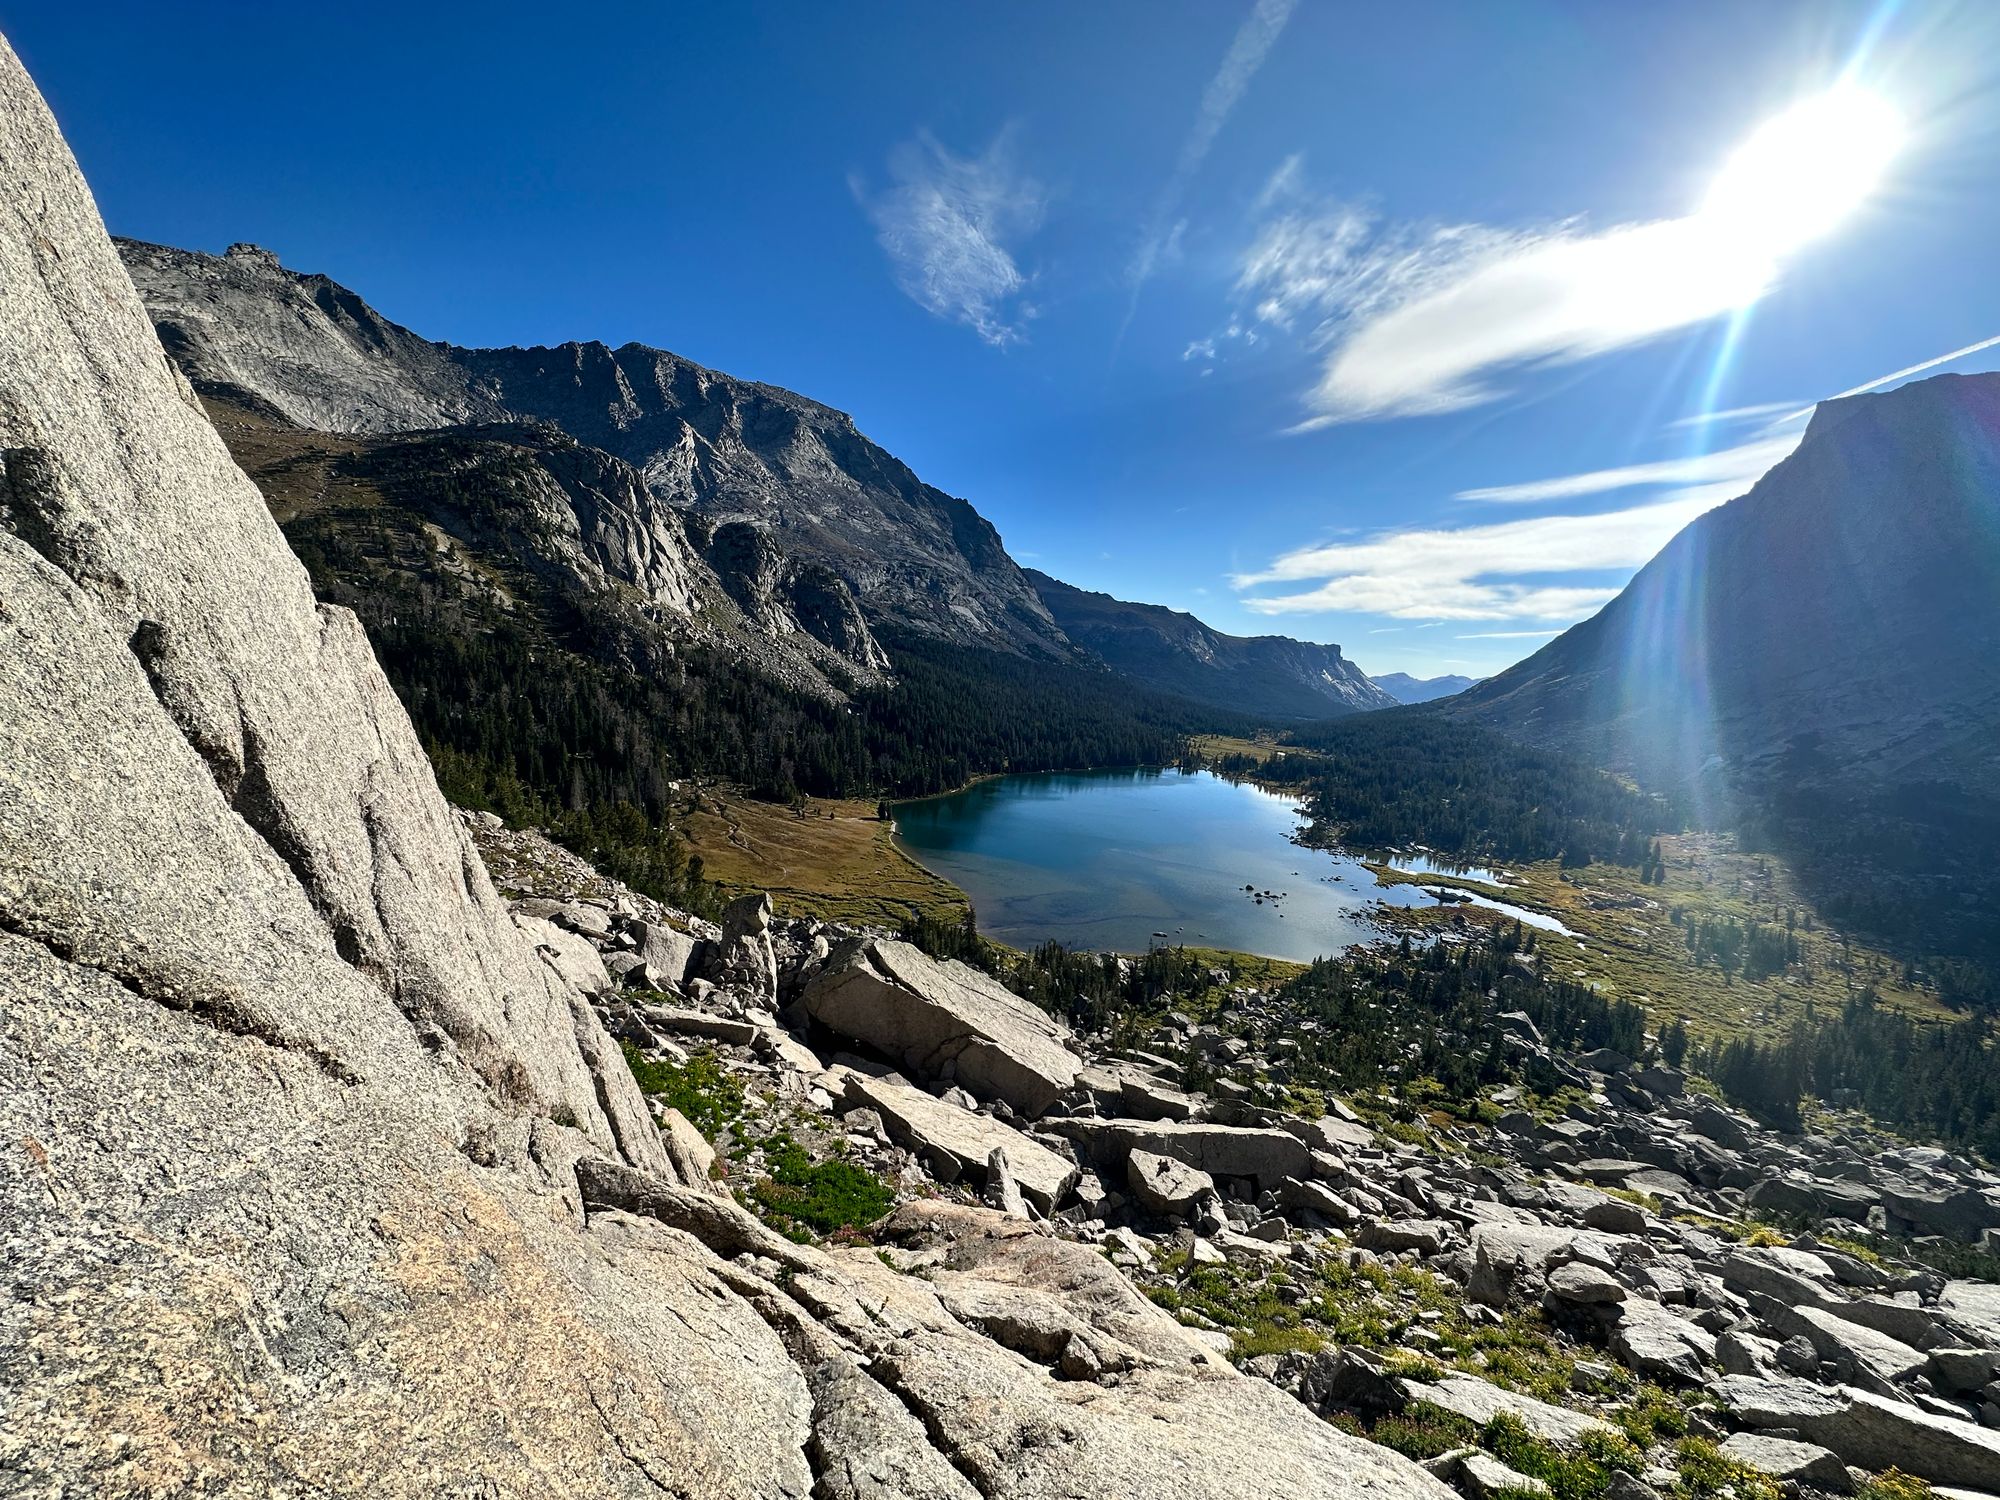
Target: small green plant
[
  {"x": 1651, "y": 1416},
  {"x": 1421, "y": 1431},
  {"x": 1706, "y": 1471},
  {"x": 1404, "y": 1365},
  {"x": 1580, "y": 1474},
  {"x": 700, "y": 1088},
  {"x": 801, "y": 1197},
  {"x": 1894, "y": 1484}
]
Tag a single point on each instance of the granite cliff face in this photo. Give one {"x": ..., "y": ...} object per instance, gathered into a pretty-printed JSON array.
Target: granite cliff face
[
  {"x": 319, "y": 1172},
  {"x": 554, "y": 534},
  {"x": 731, "y": 450},
  {"x": 1176, "y": 653}
]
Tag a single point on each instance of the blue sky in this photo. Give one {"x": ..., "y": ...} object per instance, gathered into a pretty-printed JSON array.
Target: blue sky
[{"x": 1387, "y": 325}]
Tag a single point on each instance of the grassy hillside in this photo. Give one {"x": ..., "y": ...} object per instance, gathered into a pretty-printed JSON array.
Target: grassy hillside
[
  {"x": 830, "y": 858},
  {"x": 1633, "y": 939}
]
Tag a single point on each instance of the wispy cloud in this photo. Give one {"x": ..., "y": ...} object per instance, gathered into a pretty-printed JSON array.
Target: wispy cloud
[
  {"x": 1734, "y": 468},
  {"x": 1507, "y": 635},
  {"x": 1734, "y": 415},
  {"x": 1415, "y": 319},
  {"x": 1495, "y": 572},
  {"x": 951, "y": 226},
  {"x": 1512, "y": 569},
  {"x": 1246, "y": 54}
]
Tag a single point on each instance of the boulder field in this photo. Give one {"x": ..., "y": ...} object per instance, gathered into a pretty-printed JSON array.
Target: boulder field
[{"x": 325, "y": 1170}]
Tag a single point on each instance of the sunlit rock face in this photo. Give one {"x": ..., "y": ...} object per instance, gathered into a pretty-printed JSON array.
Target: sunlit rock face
[{"x": 732, "y": 450}]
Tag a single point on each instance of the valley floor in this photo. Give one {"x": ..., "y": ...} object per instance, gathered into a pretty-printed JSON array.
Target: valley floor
[
  {"x": 1632, "y": 939},
  {"x": 1584, "y": 1279},
  {"x": 826, "y": 858}
]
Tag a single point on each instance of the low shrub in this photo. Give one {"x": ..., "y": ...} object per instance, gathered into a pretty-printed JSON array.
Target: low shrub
[
  {"x": 1705, "y": 1471},
  {"x": 802, "y": 1197},
  {"x": 700, "y": 1088}
]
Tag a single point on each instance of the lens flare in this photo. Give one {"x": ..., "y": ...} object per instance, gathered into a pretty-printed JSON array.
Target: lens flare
[{"x": 1805, "y": 170}]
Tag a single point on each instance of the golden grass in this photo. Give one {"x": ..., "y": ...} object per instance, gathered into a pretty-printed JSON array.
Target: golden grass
[
  {"x": 1262, "y": 749},
  {"x": 837, "y": 862},
  {"x": 1251, "y": 968},
  {"x": 1636, "y": 952}
]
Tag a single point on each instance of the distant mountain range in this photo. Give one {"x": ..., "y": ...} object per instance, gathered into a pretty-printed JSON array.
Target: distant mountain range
[
  {"x": 1174, "y": 652},
  {"x": 1407, "y": 689},
  {"x": 653, "y": 494},
  {"x": 1825, "y": 650}
]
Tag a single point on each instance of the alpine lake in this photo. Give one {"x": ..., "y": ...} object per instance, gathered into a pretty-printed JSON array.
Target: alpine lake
[{"x": 1123, "y": 860}]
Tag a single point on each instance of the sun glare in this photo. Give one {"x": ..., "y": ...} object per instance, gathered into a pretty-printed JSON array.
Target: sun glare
[{"x": 1805, "y": 170}]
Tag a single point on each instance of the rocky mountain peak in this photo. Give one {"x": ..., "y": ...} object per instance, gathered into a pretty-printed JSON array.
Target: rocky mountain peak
[{"x": 730, "y": 449}]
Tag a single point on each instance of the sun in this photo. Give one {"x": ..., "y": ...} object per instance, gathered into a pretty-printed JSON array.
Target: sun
[{"x": 1805, "y": 170}]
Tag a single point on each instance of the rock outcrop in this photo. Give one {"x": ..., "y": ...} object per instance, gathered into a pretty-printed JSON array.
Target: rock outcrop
[
  {"x": 319, "y": 1173},
  {"x": 943, "y": 1020}
]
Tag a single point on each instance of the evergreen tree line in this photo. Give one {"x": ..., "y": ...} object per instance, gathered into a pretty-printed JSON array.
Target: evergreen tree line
[
  {"x": 1909, "y": 867},
  {"x": 562, "y": 717},
  {"x": 1380, "y": 1020},
  {"x": 1757, "y": 950},
  {"x": 1937, "y": 1082},
  {"x": 1436, "y": 1013},
  {"x": 1393, "y": 777}
]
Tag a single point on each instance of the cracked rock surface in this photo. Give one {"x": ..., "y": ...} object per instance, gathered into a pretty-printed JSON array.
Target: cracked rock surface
[{"x": 318, "y": 1174}]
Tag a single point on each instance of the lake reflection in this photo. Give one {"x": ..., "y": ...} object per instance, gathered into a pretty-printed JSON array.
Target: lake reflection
[{"x": 1109, "y": 859}]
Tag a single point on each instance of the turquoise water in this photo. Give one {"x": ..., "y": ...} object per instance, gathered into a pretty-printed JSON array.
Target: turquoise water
[{"x": 1111, "y": 859}]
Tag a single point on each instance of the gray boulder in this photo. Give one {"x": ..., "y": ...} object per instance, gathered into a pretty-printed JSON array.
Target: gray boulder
[
  {"x": 925, "y": 1124},
  {"x": 1812, "y": 1197},
  {"x": 1257, "y": 1152},
  {"x": 1789, "y": 1462},
  {"x": 1511, "y": 1262},
  {"x": 1961, "y": 1215},
  {"x": 671, "y": 957},
  {"x": 943, "y": 1021},
  {"x": 1165, "y": 1186},
  {"x": 1480, "y": 1402},
  {"x": 1659, "y": 1344},
  {"x": 1868, "y": 1431},
  {"x": 1581, "y": 1282},
  {"x": 1425, "y": 1237}
]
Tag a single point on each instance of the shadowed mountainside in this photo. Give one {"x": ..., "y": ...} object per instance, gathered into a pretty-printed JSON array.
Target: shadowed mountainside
[
  {"x": 1176, "y": 653},
  {"x": 1825, "y": 649}
]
